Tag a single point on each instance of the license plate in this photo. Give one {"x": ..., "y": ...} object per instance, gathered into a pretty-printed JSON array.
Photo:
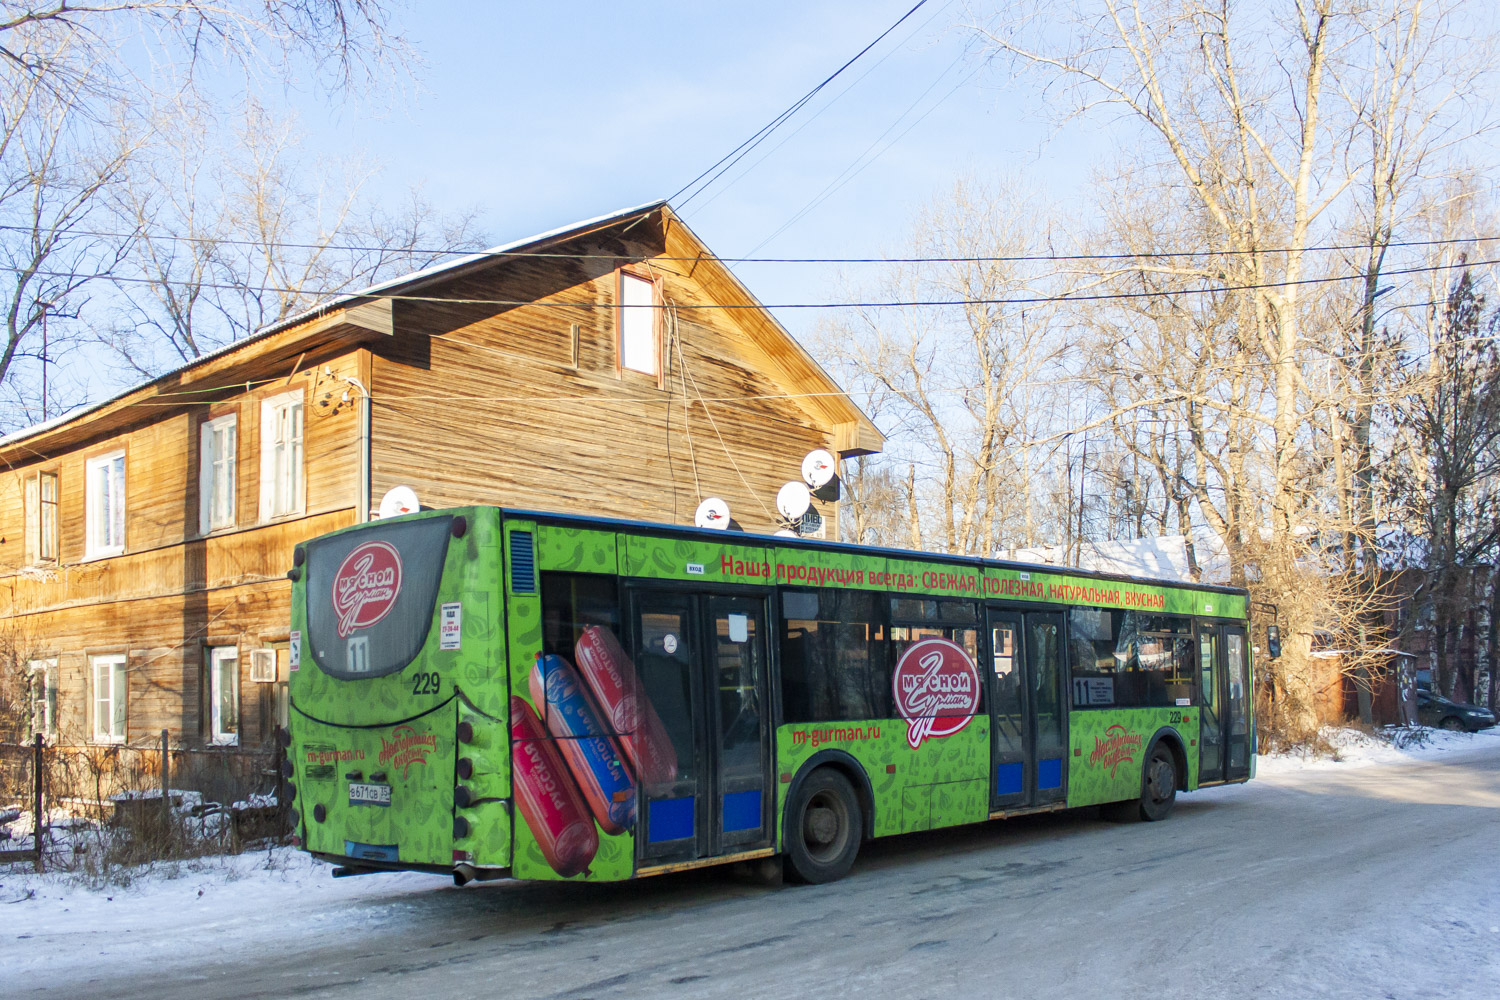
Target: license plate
[{"x": 369, "y": 795}]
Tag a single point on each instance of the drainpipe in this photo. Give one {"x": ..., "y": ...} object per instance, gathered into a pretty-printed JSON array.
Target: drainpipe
[{"x": 364, "y": 447}]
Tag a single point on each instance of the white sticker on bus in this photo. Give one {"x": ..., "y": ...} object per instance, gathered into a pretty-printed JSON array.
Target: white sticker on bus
[
  {"x": 450, "y": 626},
  {"x": 295, "y": 651},
  {"x": 1093, "y": 690}
]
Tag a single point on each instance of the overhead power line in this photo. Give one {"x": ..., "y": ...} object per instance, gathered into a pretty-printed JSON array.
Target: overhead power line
[
  {"x": 974, "y": 259},
  {"x": 699, "y": 184},
  {"x": 1168, "y": 293}
]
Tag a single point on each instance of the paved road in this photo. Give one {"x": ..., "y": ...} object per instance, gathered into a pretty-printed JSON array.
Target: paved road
[{"x": 1368, "y": 883}]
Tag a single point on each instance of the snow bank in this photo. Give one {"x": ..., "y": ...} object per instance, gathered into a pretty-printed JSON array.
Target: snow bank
[
  {"x": 190, "y": 911},
  {"x": 1355, "y": 748}
]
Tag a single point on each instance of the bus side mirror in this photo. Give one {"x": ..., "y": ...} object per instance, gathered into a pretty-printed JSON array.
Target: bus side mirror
[{"x": 1273, "y": 641}]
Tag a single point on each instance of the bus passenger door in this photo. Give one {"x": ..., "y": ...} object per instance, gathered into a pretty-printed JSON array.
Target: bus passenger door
[
  {"x": 737, "y": 686},
  {"x": 1044, "y": 664},
  {"x": 1210, "y": 706},
  {"x": 1237, "y": 703},
  {"x": 702, "y": 663},
  {"x": 1029, "y": 744},
  {"x": 1011, "y": 741}
]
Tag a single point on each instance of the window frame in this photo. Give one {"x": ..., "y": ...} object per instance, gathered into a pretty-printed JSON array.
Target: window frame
[
  {"x": 1072, "y": 635},
  {"x": 217, "y": 736},
  {"x": 94, "y": 545},
  {"x": 47, "y": 525},
  {"x": 208, "y": 431},
  {"x": 792, "y": 669},
  {"x": 621, "y": 276},
  {"x": 269, "y": 466},
  {"x": 46, "y": 667},
  {"x": 118, "y": 700}
]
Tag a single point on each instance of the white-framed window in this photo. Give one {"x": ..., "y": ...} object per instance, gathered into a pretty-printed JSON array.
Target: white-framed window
[
  {"x": 42, "y": 675},
  {"x": 217, "y": 448},
  {"x": 105, "y": 513},
  {"x": 640, "y": 325},
  {"x": 281, "y": 479},
  {"x": 41, "y": 517},
  {"x": 108, "y": 674},
  {"x": 224, "y": 695}
]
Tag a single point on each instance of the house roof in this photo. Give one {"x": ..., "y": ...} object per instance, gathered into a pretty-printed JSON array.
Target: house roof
[{"x": 347, "y": 316}]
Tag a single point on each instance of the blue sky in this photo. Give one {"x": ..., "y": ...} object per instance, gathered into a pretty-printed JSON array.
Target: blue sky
[{"x": 543, "y": 114}]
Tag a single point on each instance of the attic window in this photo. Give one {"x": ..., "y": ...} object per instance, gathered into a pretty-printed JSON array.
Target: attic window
[{"x": 640, "y": 325}]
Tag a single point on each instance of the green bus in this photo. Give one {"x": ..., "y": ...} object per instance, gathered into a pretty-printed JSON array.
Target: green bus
[{"x": 492, "y": 693}]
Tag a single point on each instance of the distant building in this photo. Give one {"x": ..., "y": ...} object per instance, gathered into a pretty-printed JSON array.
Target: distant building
[{"x": 614, "y": 367}]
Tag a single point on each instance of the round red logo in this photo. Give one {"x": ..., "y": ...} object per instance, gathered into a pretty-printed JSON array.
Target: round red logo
[
  {"x": 937, "y": 689},
  {"x": 366, "y": 585}
]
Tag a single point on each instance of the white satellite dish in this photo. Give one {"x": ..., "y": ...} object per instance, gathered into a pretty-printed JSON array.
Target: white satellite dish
[
  {"x": 793, "y": 500},
  {"x": 399, "y": 500},
  {"x": 712, "y": 513},
  {"x": 786, "y": 533},
  {"x": 818, "y": 468}
]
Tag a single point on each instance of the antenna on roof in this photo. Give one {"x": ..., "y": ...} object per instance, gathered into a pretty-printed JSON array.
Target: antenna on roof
[{"x": 712, "y": 513}]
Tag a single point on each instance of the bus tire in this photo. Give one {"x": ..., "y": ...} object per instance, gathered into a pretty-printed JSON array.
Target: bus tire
[
  {"x": 1158, "y": 783},
  {"x": 823, "y": 827}
]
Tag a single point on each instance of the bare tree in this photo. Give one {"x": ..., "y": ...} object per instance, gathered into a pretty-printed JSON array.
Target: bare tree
[
  {"x": 74, "y": 115},
  {"x": 236, "y": 229},
  {"x": 964, "y": 388},
  {"x": 1453, "y": 408},
  {"x": 52, "y": 174}
]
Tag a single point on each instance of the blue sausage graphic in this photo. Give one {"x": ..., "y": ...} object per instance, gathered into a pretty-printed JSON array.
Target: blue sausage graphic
[{"x": 590, "y": 752}]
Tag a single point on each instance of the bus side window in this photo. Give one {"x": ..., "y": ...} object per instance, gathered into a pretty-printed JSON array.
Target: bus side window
[{"x": 572, "y": 602}]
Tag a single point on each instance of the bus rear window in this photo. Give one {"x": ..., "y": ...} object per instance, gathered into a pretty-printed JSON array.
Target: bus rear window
[{"x": 371, "y": 595}]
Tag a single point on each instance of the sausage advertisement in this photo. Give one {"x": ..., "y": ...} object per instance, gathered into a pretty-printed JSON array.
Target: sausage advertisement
[
  {"x": 591, "y": 754},
  {"x": 616, "y": 688},
  {"x": 547, "y": 797}
]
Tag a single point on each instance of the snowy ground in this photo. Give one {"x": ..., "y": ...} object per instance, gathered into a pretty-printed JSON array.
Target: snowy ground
[
  {"x": 1311, "y": 873},
  {"x": 1353, "y": 748}
]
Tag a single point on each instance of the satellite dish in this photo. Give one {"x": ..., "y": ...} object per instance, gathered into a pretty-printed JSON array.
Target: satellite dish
[
  {"x": 818, "y": 468},
  {"x": 793, "y": 500},
  {"x": 712, "y": 513},
  {"x": 399, "y": 500},
  {"x": 786, "y": 533}
]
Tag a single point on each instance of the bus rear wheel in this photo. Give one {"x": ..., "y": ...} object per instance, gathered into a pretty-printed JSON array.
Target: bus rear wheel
[
  {"x": 823, "y": 827},
  {"x": 1158, "y": 784}
]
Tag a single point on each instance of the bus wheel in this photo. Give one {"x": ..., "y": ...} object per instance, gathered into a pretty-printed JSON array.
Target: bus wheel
[
  {"x": 823, "y": 827},
  {"x": 1158, "y": 784}
]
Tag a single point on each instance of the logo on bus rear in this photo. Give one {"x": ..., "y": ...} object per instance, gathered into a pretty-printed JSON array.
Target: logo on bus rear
[
  {"x": 366, "y": 586},
  {"x": 937, "y": 690}
]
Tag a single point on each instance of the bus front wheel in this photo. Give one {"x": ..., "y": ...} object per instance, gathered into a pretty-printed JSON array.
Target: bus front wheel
[
  {"x": 1158, "y": 784},
  {"x": 823, "y": 827}
]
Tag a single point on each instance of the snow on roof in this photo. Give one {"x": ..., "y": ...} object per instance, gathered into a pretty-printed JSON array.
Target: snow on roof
[
  {"x": 1162, "y": 557},
  {"x": 327, "y": 305}
]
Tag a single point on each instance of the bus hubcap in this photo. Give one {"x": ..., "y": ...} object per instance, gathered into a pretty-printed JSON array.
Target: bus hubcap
[
  {"x": 821, "y": 826},
  {"x": 1161, "y": 779}
]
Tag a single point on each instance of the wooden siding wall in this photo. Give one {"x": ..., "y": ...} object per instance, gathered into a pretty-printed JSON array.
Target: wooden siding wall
[
  {"x": 480, "y": 404},
  {"x": 174, "y": 592}
]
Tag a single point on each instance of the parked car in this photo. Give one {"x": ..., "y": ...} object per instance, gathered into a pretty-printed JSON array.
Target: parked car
[{"x": 1435, "y": 710}]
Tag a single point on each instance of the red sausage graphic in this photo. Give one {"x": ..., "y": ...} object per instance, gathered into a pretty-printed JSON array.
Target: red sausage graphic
[
  {"x": 584, "y": 742},
  {"x": 617, "y": 689},
  {"x": 546, "y": 796}
]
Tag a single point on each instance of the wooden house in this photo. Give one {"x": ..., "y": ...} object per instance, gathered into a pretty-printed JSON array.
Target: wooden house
[{"x": 614, "y": 367}]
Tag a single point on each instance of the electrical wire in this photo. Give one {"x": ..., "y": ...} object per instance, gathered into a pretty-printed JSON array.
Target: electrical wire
[
  {"x": 739, "y": 152},
  {"x": 973, "y": 259},
  {"x": 864, "y": 159},
  {"x": 886, "y": 304},
  {"x": 819, "y": 113}
]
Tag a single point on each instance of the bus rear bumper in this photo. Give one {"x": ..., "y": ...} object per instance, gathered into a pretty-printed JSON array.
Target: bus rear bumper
[{"x": 461, "y": 872}]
